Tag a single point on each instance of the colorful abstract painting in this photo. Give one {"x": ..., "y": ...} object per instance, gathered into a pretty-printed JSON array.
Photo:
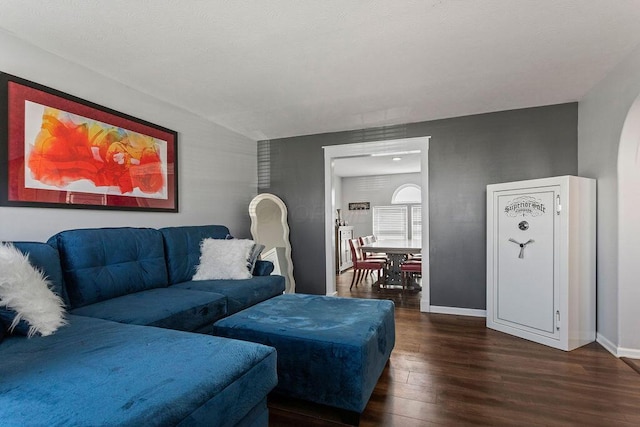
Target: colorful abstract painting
[
  {"x": 67, "y": 151},
  {"x": 61, "y": 150}
]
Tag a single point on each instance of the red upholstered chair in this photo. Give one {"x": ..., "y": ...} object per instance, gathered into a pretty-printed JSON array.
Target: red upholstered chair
[
  {"x": 372, "y": 255},
  {"x": 408, "y": 269},
  {"x": 362, "y": 265}
]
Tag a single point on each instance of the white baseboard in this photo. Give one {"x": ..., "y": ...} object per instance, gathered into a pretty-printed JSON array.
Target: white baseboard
[
  {"x": 608, "y": 345},
  {"x": 332, "y": 294},
  {"x": 458, "y": 311},
  {"x": 631, "y": 353}
]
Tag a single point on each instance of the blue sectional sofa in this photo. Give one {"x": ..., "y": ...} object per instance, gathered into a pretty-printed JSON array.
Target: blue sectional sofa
[{"x": 124, "y": 358}]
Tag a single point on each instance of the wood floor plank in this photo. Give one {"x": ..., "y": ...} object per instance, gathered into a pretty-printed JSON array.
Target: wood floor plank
[
  {"x": 406, "y": 391},
  {"x": 450, "y": 370}
]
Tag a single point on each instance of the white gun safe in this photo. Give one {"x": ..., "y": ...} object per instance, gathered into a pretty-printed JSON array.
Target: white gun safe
[{"x": 541, "y": 260}]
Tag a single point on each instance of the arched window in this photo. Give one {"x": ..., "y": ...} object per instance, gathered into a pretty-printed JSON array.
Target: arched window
[
  {"x": 394, "y": 222},
  {"x": 407, "y": 194}
]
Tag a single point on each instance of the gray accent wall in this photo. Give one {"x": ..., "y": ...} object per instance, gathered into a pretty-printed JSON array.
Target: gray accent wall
[{"x": 465, "y": 154}]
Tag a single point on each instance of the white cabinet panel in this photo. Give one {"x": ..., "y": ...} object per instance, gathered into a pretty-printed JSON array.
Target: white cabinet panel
[
  {"x": 540, "y": 254},
  {"x": 343, "y": 250}
]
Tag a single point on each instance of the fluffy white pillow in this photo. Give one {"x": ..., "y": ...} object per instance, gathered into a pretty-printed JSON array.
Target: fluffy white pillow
[
  {"x": 24, "y": 290},
  {"x": 224, "y": 259}
]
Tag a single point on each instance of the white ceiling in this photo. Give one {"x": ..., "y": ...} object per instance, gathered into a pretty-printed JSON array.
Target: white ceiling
[
  {"x": 377, "y": 165},
  {"x": 277, "y": 68}
]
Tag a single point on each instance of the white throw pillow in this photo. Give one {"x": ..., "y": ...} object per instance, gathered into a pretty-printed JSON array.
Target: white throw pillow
[
  {"x": 224, "y": 259},
  {"x": 24, "y": 290}
]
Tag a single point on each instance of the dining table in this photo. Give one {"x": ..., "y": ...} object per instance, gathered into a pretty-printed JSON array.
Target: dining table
[{"x": 397, "y": 252}]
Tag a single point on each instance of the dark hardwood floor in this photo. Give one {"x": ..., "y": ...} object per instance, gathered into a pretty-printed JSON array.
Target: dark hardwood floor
[
  {"x": 452, "y": 370},
  {"x": 367, "y": 289}
]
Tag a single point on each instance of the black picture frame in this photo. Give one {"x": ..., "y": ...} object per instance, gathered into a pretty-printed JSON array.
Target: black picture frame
[
  {"x": 84, "y": 155},
  {"x": 359, "y": 206}
]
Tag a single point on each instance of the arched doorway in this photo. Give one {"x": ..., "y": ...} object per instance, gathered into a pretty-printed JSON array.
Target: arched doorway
[{"x": 629, "y": 234}]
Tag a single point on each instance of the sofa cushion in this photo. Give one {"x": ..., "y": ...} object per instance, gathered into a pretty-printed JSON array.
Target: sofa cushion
[
  {"x": 180, "y": 309},
  {"x": 99, "y": 264},
  {"x": 96, "y": 372},
  {"x": 182, "y": 246},
  {"x": 240, "y": 293}
]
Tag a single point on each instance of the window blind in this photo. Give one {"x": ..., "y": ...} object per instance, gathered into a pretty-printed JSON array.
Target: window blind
[
  {"x": 390, "y": 222},
  {"x": 416, "y": 223}
]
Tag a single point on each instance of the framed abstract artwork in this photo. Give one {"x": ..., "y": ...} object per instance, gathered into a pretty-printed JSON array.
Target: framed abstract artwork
[{"x": 57, "y": 150}]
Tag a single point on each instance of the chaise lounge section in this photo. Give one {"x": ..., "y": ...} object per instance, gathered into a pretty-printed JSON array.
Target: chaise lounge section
[{"x": 98, "y": 372}]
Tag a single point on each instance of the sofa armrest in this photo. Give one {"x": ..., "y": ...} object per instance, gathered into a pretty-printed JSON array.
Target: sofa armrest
[{"x": 263, "y": 268}]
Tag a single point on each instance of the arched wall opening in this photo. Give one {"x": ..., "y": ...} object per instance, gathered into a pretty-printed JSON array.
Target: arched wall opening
[{"x": 629, "y": 235}]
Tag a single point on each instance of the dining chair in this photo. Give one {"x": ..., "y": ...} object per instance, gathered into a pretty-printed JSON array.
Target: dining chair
[
  {"x": 372, "y": 255},
  {"x": 410, "y": 269},
  {"x": 415, "y": 257},
  {"x": 361, "y": 265}
]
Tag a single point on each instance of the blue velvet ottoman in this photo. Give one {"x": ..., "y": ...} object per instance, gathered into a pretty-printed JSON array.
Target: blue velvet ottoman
[{"x": 330, "y": 350}]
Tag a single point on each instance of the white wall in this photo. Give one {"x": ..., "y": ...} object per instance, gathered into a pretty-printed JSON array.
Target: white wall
[
  {"x": 377, "y": 190},
  {"x": 601, "y": 115},
  {"x": 337, "y": 188},
  {"x": 217, "y": 167}
]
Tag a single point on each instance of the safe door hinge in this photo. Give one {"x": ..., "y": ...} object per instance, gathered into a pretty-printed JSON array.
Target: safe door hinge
[
  {"x": 557, "y": 320},
  {"x": 558, "y": 205}
]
